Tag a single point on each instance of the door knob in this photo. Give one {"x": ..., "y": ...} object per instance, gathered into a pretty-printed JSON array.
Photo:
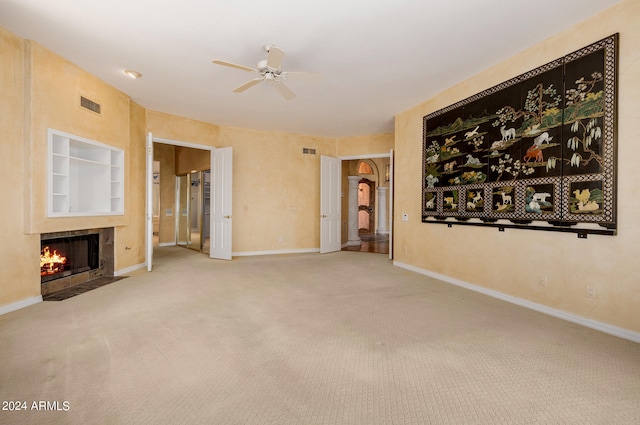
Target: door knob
[
  {"x": 323, "y": 216},
  {"x": 227, "y": 216}
]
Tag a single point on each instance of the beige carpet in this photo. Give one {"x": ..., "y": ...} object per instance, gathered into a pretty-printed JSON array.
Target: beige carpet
[{"x": 341, "y": 338}]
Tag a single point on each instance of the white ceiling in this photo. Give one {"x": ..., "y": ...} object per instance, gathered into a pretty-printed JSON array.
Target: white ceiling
[{"x": 379, "y": 57}]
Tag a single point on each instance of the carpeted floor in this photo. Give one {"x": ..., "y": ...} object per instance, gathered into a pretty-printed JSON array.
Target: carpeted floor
[{"x": 341, "y": 338}]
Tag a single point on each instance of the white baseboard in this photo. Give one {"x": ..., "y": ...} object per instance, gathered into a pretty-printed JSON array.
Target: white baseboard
[
  {"x": 129, "y": 269},
  {"x": 168, "y": 244},
  {"x": 275, "y": 252},
  {"x": 20, "y": 304},
  {"x": 589, "y": 323}
]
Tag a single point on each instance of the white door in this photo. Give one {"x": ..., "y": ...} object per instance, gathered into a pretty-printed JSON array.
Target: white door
[
  {"x": 149, "y": 203},
  {"x": 221, "y": 184},
  {"x": 330, "y": 175},
  {"x": 390, "y": 200}
]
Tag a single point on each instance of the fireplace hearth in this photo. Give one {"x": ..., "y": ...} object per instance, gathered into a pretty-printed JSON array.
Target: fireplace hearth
[{"x": 75, "y": 257}]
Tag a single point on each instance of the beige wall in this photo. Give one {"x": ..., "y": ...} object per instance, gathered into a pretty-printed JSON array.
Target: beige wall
[
  {"x": 358, "y": 145},
  {"x": 276, "y": 196},
  {"x": 55, "y": 86},
  {"x": 171, "y": 127},
  {"x": 276, "y": 187},
  {"x": 130, "y": 238},
  {"x": 512, "y": 261},
  {"x": 189, "y": 159},
  {"x": 40, "y": 91},
  {"x": 19, "y": 252}
]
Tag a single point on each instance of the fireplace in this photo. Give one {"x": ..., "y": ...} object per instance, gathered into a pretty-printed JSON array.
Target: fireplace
[{"x": 74, "y": 257}]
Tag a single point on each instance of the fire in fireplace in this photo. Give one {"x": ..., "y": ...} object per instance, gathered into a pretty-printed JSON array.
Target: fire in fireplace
[{"x": 51, "y": 262}]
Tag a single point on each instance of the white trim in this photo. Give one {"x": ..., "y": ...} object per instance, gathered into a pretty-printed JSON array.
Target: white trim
[
  {"x": 168, "y": 244},
  {"x": 180, "y": 143},
  {"x": 148, "y": 207},
  {"x": 589, "y": 323},
  {"x": 129, "y": 269},
  {"x": 20, "y": 304},
  {"x": 276, "y": 252}
]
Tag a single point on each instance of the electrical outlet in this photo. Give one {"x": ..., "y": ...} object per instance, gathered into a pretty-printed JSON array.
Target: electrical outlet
[
  {"x": 542, "y": 281},
  {"x": 405, "y": 217},
  {"x": 591, "y": 291}
]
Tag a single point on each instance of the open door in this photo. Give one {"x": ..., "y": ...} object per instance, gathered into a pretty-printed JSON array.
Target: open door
[
  {"x": 149, "y": 204},
  {"x": 221, "y": 183},
  {"x": 390, "y": 200},
  {"x": 330, "y": 175}
]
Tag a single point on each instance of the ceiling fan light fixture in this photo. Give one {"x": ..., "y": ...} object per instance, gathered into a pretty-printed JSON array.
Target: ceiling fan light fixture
[{"x": 132, "y": 74}]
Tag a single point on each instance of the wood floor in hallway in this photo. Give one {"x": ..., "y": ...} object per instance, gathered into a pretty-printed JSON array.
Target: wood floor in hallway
[{"x": 378, "y": 244}]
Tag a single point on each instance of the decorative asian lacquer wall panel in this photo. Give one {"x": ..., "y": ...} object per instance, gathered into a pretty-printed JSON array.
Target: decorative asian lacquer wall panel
[{"x": 537, "y": 151}]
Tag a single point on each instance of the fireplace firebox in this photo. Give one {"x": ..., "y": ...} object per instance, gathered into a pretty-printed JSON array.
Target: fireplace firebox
[
  {"x": 71, "y": 258},
  {"x": 68, "y": 256}
]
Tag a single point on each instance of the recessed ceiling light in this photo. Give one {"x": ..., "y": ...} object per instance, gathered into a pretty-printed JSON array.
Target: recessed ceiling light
[{"x": 132, "y": 74}]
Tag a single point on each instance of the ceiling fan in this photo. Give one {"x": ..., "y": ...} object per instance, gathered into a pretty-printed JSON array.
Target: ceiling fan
[{"x": 270, "y": 70}]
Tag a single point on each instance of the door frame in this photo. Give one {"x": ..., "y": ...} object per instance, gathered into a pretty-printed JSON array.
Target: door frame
[
  {"x": 148, "y": 207},
  {"x": 390, "y": 200},
  {"x": 150, "y": 139}
]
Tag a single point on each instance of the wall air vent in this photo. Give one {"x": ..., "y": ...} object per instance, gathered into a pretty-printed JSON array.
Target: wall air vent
[
  {"x": 90, "y": 105},
  {"x": 308, "y": 151}
]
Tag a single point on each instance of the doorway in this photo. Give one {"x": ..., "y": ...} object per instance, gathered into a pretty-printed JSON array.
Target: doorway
[
  {"x": 193, "y": 194},
  {"x": 366, "y": 207},
  {"x": 367, "y": 203},
  {"x": 214, "y": 202}
]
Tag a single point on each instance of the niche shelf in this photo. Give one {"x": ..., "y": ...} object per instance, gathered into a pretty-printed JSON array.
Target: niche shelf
[{"x": 85, "y": 177}]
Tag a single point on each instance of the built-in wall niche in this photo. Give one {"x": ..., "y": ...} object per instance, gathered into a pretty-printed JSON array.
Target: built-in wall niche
[{"x": 85, "y": 177}]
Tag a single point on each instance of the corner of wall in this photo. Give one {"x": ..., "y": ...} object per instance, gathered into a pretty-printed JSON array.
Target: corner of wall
[{"x": 27, "y": 166}]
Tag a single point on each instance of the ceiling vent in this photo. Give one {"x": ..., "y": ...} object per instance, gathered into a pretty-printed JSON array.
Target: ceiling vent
[{"x": 90, "y": 105}]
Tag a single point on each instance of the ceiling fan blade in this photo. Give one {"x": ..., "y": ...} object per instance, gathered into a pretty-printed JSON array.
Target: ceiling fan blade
[
  {"x": 234, "y": 65},
  {"x": 274, "y": 60},
  {"x": 247, "y": 85},
  {"x": 303, "y": 76},
  {"x": 284, "y": 90}
]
